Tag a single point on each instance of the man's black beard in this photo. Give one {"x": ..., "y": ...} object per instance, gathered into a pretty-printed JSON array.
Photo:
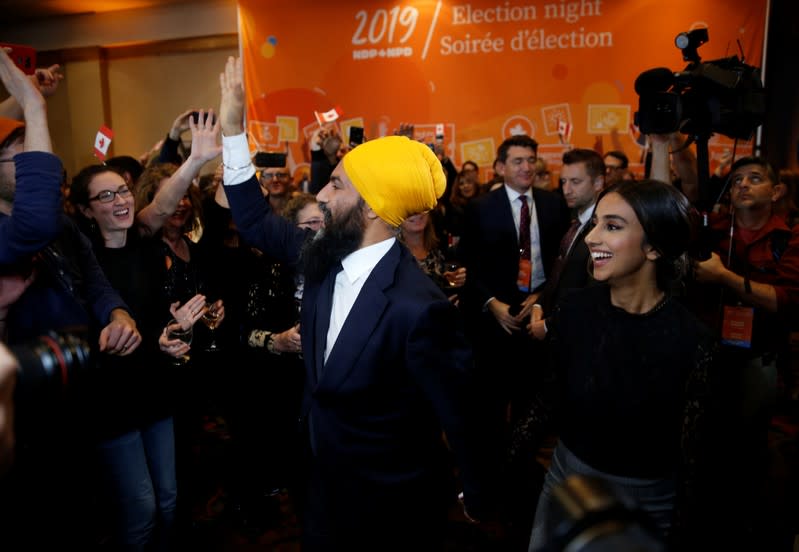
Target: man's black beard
[{"x": 335, "y": 241}]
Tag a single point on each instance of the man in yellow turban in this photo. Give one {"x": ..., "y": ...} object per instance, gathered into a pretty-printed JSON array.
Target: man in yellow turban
[
  {"x": 384, "y": 355},
  {"x": 396, "y": 176}
]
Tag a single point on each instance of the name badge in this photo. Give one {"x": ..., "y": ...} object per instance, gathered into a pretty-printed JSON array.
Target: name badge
[
  {"x": 524, "y": 274},
  {"x": 736, "y": 328}
]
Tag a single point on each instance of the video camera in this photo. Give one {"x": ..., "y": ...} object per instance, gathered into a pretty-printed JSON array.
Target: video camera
[{"x": 724, "y": 95}]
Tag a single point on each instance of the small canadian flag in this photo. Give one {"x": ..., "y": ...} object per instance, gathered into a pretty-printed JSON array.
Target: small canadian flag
[
  {"x": 102, "y": 141},
  {"x": 328, "y": 116},
  {"x": 564, "y": 130}
]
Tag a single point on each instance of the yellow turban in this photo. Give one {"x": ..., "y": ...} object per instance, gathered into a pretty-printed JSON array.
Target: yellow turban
[{"x": 396, "y": 176}]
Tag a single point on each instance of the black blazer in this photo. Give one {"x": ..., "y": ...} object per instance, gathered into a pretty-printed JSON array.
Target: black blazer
[
  {"x": 574, "y": 275},
  {"x": 489, "y": 246},
  {"x": 394, "y": 378}
]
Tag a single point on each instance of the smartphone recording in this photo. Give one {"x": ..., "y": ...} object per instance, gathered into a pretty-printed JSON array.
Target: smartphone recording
[{"x": 356, "y": 136}]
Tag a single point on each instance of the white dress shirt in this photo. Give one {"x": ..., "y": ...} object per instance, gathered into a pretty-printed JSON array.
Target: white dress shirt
[
  {"x": 537, "y": 277},
  {"x": 357, "y": 266},
  {"x": 236, "y": 162}
]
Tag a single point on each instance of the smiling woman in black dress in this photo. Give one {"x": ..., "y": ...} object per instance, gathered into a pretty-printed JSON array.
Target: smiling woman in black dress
[{"x": 632, "y": 363}]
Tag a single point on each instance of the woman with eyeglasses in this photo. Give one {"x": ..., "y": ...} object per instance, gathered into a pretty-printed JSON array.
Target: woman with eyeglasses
[{"x": 129, "y": 399}]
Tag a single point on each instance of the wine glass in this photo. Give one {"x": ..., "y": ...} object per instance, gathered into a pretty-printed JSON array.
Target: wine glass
[
  {"x": 451, "y": 267},
  {"x": 175, "y": 330},
  {"x": 211, "y": 319}
]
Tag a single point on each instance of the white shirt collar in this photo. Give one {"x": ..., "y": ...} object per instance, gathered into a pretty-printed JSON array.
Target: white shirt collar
[
  {"x": 361, "y": 262},
  {"x": 585, "y": 216},
  {"x": 513, "y": 195}
]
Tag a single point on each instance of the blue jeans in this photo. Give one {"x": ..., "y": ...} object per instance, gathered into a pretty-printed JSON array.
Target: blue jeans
[{"x": 137, "y": 470}]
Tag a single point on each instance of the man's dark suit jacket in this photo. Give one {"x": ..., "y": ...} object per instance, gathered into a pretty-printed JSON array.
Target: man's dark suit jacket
[
  {"x": 574, "y": 275},
  {"x": 394, "y": 379},
  {"x": 490, "y": 245}
]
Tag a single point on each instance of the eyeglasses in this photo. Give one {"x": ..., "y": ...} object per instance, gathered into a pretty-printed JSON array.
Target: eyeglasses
[
  {"x": 313, "y": 224},
  {"x": 272, "y": 176},
  {"x": 6, "y": 160},
  {"x": 107, "y": 196}
]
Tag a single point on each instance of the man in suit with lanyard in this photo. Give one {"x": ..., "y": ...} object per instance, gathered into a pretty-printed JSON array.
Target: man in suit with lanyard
[
  {"x": 385, "y": 362},
  {"x": 509, "y": 245},
  {"x": 582, "y": 177}
]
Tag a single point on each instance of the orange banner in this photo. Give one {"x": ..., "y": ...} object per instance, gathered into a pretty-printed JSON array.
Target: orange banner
[{"x": 483, "y": 69}]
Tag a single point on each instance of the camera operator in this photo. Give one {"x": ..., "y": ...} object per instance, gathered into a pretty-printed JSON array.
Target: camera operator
[
  {"x": 747, "y": 287},
  {"x": 57, "y": 284},
  {"x": 755, "y": 264}
]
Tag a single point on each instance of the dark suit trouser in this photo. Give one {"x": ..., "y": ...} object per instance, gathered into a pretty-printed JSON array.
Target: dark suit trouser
[
  {"x": 508, "y": 371},
  {"x": 345, "y": 513}
]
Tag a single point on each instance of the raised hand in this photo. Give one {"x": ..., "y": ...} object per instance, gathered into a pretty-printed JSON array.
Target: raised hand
[
  {"x": 47, "y": 79},
  {"x": 22, "y": 88},
  {"x": 231, "y": 110},
  {"x": 331, "y": 143},
  {"x": 180, "y": 125},
  {"x": 28, "y": 98},
  {"x": 205, "y": 137}
]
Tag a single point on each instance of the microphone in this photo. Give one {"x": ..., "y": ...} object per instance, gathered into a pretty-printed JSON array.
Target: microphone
[{"x": 658, "y": 79}]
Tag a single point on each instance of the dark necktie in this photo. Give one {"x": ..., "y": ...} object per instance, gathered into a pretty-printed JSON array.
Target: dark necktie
[
  {"x": 563, "y": 253},
  {"x": 524, "y": 229},
  {"x": 565, "y": 243}
]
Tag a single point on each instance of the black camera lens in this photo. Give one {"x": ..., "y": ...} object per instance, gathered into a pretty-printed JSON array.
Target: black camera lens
[
  {"x": 587, "y": 514},
  {"x": 48, "y": 363}
]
